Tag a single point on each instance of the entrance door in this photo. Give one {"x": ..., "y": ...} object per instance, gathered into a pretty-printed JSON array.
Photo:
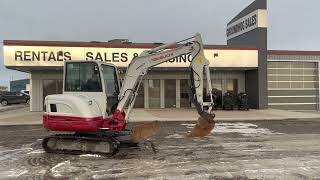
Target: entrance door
[
  {"x": 139, "y": 103},
  {"x": 154, "y": 93},
  {"x": 170, "y": 93},
  {"x": 184, "y": 96},
  {"x": 217, "y": 91}
]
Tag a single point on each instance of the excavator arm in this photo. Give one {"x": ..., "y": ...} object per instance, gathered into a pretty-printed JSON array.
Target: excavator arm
[{"x": 140, "y": 65}]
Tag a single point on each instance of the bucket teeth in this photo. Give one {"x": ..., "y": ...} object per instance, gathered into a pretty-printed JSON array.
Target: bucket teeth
[
  {"x": 204, "y": 125},
  {"x": 145, "y": 131}
]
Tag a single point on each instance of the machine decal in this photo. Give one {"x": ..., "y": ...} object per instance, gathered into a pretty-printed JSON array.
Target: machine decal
[
  {"x": 162, "y": 57},
  {"x": 200, "y": 60}
]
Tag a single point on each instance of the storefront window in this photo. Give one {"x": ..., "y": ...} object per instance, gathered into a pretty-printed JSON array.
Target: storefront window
[
  {"x": 139, "y": 103},
  {"x": 154, "y": 93},
  {"x": 184, "y": 96},
  {"x": 232, "y": 86},
  {"x": 170, "y": 93},
  {"x": 217, "y": 91}
]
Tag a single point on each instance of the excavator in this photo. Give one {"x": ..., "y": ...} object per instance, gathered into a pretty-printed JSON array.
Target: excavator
[{"x": 92, "y": 113}]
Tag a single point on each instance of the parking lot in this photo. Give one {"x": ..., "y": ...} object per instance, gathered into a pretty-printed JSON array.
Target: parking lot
[
  {"x": 234, "y": 150},
  {"x": 12, "y": 107}
]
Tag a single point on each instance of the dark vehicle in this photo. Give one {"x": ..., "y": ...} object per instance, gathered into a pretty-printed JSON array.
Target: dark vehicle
[
  {"x": 228, "y": 101},
  {"x": 25, "y": 92},
  {"x": 217, "y": 97},
  {"x": 7, "y": 98},
  {"x": 243, "y": 101}
]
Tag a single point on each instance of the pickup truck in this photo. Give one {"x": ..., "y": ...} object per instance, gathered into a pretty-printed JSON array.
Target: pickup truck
[{"x": 7, "y": 98}]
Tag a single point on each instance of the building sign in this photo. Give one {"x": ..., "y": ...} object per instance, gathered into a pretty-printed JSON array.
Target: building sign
[
  {"x": 121, "y": 57},
  {"x": 247, "y": 23}
]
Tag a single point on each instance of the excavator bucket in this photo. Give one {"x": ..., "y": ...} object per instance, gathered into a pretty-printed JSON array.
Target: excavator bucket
[
  {"x": 204, "y": 125},
  {"x": 145, "y": 131}
]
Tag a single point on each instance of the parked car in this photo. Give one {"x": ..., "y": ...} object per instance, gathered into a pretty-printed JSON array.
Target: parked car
[
  {"x": 25, "y": 92},
  {"x": 7, "y": 98}
]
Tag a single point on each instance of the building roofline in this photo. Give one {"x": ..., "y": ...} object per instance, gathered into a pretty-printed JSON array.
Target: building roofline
[
  {"x": 110, "y": 45},
  {"x": 293, "y": 53},
  {"x": 255, "y": 5}
]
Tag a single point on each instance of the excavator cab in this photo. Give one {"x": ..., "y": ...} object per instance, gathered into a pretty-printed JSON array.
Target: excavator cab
[
  {"x": 90, "y": 91},
  {"x": 93, "y": 77}
]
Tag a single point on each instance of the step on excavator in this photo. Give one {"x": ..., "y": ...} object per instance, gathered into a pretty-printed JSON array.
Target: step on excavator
[{"x": 92, "y": 114}]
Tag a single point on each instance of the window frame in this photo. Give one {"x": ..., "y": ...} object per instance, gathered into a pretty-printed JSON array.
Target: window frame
[
  {"x": 80, "y": 63},
  {"x": 115, "y": 77}
]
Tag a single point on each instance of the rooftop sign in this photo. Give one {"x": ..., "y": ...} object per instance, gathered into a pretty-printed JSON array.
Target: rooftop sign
[{"x": 251, "y": 21}]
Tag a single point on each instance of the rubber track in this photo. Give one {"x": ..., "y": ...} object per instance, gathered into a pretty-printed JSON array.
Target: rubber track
[{"x": 113, "y": 144}]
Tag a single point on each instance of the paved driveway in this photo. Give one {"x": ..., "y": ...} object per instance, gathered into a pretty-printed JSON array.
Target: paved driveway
[{"x": 12, "y": 107}]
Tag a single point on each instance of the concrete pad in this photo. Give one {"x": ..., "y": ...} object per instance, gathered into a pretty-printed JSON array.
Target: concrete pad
[
  {"x": 192, "y": 115},
  {"x": 12, "y": 107},
  {"x": 23, "y": 116},
  {"x": 20, "y": 116}
]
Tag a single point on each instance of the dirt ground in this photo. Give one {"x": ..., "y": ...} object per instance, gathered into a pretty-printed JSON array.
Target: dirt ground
[{"x": 237, "y": 150}]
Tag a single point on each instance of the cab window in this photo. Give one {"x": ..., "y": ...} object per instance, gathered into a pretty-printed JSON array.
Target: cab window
[
  {"x": 82, "y": 77},
  {"x": 110, "y": 80}
]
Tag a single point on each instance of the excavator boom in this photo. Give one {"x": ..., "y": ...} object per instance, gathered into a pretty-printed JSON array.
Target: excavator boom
[{"x": 150, "y": 58}]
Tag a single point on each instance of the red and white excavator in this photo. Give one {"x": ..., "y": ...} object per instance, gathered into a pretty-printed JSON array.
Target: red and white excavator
[{"x": 94, "y": 110}]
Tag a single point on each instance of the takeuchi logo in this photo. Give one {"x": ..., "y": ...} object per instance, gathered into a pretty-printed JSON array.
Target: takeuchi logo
[{"x": 162, "y": 57}]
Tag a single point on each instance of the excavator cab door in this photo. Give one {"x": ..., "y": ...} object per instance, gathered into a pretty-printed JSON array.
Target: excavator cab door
[{"x": 111, "y": 86}]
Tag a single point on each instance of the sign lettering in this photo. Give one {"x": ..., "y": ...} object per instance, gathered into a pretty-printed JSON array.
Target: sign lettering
[
  {"x": 247, "y": 23},
  {"x": 47, "y": 56}
]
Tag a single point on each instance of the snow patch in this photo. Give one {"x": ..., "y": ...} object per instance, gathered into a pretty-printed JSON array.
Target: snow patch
[
  {"x": 38, "y": 151},
  {"x": 65, "y": 168},
  {"x": 189, "y": 126},
  {"x": 245, "y": 129},
  {"x": 13, "y": 173},
  {"x": 90, "y": 155},
  {"x": 15, "y": 150},
  {"x": 55, "y": 170},
  {"x": 175, "y": 136}
]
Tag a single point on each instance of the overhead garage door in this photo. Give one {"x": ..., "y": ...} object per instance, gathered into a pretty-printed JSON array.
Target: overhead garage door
[{"x": 293, "y": 85}]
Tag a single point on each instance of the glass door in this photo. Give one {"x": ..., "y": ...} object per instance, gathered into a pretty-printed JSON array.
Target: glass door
[
  {"x": 170, "y": 93},
  {"x": 184, "y": 96},
  {"x": 154, "y": 93}
]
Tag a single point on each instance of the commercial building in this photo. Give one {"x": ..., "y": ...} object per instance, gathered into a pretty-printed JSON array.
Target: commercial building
[
  {"x": 19, "y": 85},
  {"x": 243, "y": 65}
]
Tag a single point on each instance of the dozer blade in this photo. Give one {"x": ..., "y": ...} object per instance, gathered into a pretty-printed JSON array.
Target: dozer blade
[
  {"x": 204, "y": 125},
  {"x": 145, "y": 131}
]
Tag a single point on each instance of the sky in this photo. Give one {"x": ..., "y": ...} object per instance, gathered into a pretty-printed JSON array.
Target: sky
[{"x": 293, "y": 24}]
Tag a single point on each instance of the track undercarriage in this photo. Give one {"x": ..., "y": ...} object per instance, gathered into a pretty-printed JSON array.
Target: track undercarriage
[{"x": 103, "y": 143}]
